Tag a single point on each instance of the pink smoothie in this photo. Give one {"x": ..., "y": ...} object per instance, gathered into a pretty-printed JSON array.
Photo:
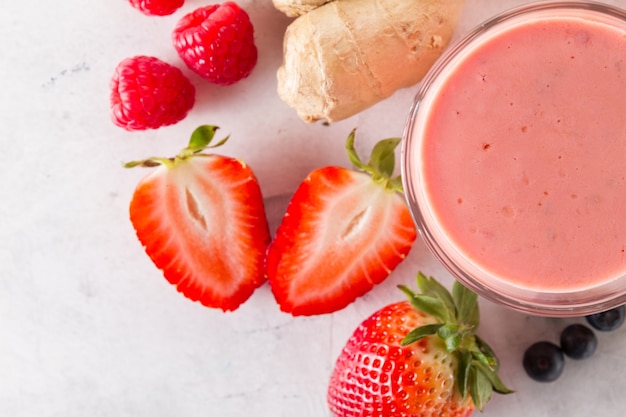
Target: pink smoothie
[{"x": 523, "y": 160}]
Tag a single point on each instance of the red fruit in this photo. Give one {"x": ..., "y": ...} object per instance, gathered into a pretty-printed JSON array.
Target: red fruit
[
  {"x": 147, "y": 93},
  {"x": 157, "y": 7},
  {"x": 344, "y": 231},
  {"x": 404, "y": 362},
  {"x": 202, "y": 221},
  {"x": 217, "y": 42}
]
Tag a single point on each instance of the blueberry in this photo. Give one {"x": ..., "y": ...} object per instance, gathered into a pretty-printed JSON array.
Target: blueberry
[
  {"x": 608, "y": 320},
  {"x": 544, "y": 361},
  {"x": 578, "y": 341}
]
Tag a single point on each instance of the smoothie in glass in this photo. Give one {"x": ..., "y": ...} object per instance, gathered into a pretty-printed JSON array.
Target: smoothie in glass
[{"x": 515, "y": 159}]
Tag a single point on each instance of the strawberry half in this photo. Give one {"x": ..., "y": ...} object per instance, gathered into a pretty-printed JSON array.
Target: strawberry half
[
  {"x": 417, "y": 358},
  {"x": 344, "y": 231},
  {"x": 202, "y": 221}
]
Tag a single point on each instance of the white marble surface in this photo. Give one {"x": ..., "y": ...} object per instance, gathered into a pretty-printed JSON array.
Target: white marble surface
[{"x": 88, "y": 326}]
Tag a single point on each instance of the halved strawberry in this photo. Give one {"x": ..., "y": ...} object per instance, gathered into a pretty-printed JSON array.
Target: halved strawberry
[
  {"x": 344, "y": 231},
  {"x": 202, "y": 221}
]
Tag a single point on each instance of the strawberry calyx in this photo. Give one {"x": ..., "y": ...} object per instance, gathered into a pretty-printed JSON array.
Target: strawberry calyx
[
  {"x": 381, "y": 164},
  {"x": 458, "y": 318},
  {"x": 200, "y": 140}
]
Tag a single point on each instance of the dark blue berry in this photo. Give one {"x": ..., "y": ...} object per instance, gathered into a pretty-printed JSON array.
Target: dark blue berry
[
  {"x": 578, "y": 341},
  {"x": 608, "y": 320},
  {"x": 544, "y": 361}
]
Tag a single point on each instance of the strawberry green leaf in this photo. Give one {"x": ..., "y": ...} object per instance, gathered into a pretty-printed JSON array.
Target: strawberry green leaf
[
  {"x": 464, "y": 364},
  {"x": 483, "y": 359},
  {"x": 419, "y": 333},
  {"x": 383, "y": 159},
  {"x": 381, "y": 164},
  {"x": 448, "y": 330},
  {"x": 451, "y": 336},
  {"x": 489, "y": 357},
  {"x": 466, "y": 302},
  {"x": 146, "y": 163},
  {"x": 429, "y": 305},
  {"x": 395, "y": 184},
  {"x": 492, "y": 377},
  {"x": 353, "y": 156},
  {"x": 480, "y": 388},
  {"x": 201, "y": 138},
  {"x": 431, "y": 287},
  {"x": 453, "y": 342}
]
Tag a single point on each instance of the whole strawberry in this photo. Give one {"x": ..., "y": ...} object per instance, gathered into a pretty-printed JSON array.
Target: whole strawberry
[
  {"x": 417, "y": 358},
  {"x": 217, "y": 42},
  {"x": 344, "y": 231},
  {"x": 147, "y": 93},
  {"x": 157, "y": 7},
  {"x": 201, "y": 219}
]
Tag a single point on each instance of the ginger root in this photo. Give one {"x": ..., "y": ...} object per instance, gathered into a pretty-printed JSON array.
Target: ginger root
[
  {"x": 294, "y": 8},
  {"x": 347, "y": 55}
]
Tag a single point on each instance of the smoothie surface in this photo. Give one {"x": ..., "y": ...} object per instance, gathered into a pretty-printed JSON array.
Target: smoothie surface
[{"x": 524, "y": 154}]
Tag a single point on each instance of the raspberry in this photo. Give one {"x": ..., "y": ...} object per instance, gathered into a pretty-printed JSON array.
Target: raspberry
[
  {"x": 157, "y": 7},
  {"x": 217, "y": 42},
  {"x": 147, "y": 93}
]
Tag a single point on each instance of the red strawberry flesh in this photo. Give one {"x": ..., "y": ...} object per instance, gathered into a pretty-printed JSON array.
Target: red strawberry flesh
[
  {"x": 203, "y": 223},
  {"x": 342, "y": 234}
]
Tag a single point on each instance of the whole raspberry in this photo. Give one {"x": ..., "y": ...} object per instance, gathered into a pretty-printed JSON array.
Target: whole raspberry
[
  {"x": 217, "y": 42},
  {"x": 157, "y": 7},
  {"x": 147, "y": 93}
]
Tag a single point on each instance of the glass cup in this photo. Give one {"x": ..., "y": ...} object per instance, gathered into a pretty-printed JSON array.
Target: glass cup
[{"x": 506, "y": 156}]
